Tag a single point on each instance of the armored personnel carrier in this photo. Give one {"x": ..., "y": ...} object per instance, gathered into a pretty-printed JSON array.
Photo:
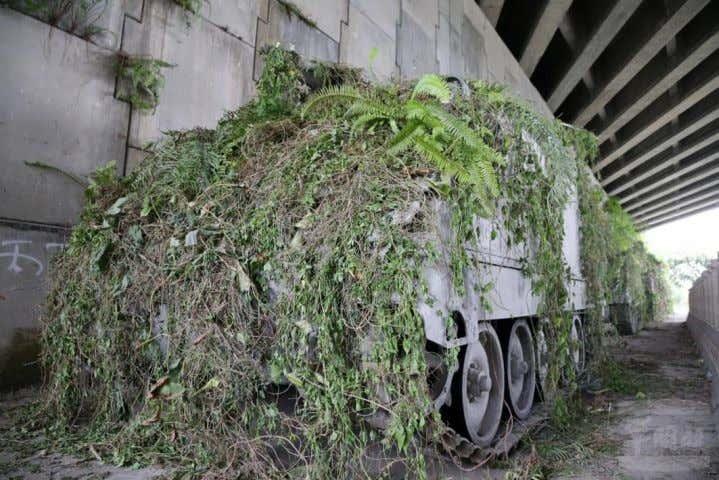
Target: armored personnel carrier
[
  {"x": 325, "y": 272},
  {"x": 503, "y": 351}
]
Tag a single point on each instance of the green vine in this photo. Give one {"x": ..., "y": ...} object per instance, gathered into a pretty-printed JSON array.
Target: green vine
[{"x": 615, "y": 263}]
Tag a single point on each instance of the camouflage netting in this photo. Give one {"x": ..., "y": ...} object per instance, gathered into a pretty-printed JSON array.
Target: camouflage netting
[{"x": 235, "y": 304}]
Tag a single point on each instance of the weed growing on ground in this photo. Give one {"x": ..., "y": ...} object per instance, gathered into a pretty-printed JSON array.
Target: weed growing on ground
[
  {"x": 620, "y": 379},
  {"x": 572, "y": 437},
  {"x": 575, "y": 435}
]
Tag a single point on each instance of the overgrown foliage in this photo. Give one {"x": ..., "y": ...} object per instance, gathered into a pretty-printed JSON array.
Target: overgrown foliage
[
  {"x": 141, "y": 80},
  {"x": 421, "y": 124},
  {"x": 246, "y": 300},
  {"x": 539, "y": 180},
  {"x": 78, "y": 17},
  {"x": 292, "y": 9},
  {"x": 615, "y": 263},
  {"x": 191, "y": 6}
]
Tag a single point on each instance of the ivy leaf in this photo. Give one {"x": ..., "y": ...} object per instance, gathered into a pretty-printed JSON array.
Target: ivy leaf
[
  {"x": 135, "y": 233},
  {"x": 116, "y": 207},
  {"x": 214, "y": 382},
  {"x": 146, "y": 208},
  {"x": 172, "y": 390}
]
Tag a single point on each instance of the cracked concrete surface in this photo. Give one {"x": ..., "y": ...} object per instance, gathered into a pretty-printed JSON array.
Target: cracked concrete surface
[{"x": 671, "y": 434}]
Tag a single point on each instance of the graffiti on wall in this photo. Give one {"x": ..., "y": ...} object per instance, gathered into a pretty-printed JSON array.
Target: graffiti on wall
[
  {"x": 18, "y": 259},
  {"x": 25, "y": 256}
]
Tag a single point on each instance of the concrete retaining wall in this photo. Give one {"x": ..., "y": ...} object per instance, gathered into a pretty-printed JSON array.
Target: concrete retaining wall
[
  {"x": 703, "y": 321},
  {"x": 58, "y": 100},
  {"x": 703, "y": 317}
]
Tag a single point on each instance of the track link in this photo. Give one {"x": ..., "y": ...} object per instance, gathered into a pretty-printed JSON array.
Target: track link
[{"x": 468, "y": 454}]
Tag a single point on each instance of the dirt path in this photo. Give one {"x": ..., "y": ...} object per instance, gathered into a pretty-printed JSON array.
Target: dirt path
[
  {"x": 23, "y": 457},
  {"x": 667, "y": 431}
]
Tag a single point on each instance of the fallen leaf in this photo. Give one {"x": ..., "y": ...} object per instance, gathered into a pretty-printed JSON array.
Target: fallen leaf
[
  {"x": 152, "y": 393},
  {"x": 200, "y": 338},
  {"x": 191, "y": 239},
  {"x": 172, "y": 390},
  {"x": 305, "y": 223},
  {"x": 214, "y": 382},
  {"x": 154, "y": 419},
  {"x": 296, "y": 242}
]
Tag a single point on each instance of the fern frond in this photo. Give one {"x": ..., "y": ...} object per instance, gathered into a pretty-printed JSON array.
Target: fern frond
[
  {"x": 487, "y": 176},
  {"x": 434, "y": 86},
  {"x": 414, "y": 109},
  {"x": 456, "y": 126},
  {"x": 362, "y": 120},
  {"x": 370, "y": 106},
  {"x": 404, "y": 138},
  {"x": 483, "y": 163},
  {"x": 432, "y": 151},
  {"x": 331, "y": 95}
]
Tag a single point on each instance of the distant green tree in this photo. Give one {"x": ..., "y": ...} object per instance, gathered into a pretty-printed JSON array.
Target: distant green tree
[{"x": 685, "y": 270}]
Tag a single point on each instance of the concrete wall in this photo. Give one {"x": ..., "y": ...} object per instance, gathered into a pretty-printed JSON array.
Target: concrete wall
[
  {"x": 58, "y": 100},
  {"x": 57, "y": 106},
  {"x": 703, "y": 322},
  {"x": 25, "y": 253},
  {"x": 703, "y": 317}
]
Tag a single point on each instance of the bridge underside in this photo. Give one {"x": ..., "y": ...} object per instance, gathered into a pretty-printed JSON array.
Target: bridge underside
[{"x": 643, "y": 75}]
